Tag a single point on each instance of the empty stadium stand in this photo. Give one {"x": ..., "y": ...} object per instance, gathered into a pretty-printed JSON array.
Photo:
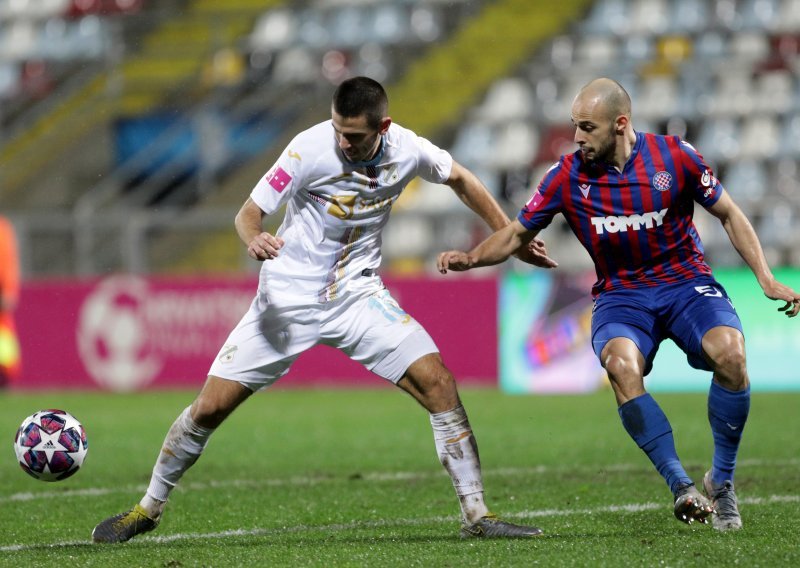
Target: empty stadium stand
[{"x": 130, "y": 131}]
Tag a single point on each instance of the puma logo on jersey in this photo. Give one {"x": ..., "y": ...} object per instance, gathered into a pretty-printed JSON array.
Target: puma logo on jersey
[
  {"x": 617, "y": 223},
  {"x": 345, "y": 206},
  {"x": 341, "y": 206},
  {"x": 293, "y": 154}
]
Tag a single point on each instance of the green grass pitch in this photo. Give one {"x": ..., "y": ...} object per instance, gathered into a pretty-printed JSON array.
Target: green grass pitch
[{"x": 351, "y": 478}]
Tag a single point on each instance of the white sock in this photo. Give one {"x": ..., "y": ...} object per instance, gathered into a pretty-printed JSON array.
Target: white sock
[
  {"x": 458, "y": 452},
  {"x": 183, "y": 444}
]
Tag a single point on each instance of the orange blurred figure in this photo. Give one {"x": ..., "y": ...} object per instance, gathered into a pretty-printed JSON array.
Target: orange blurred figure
[{"x": 9, "y": 295}]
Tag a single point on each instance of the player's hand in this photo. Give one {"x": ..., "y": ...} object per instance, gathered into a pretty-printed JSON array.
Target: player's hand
[
  {"x": 454, "y": 260},
  {"x": 264, "y": 246},
  {"x": 777, "y": 291},
  {"x": 536, "y": 254}
]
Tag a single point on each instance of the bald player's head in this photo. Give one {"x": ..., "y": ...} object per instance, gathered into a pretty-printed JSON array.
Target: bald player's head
[{"x": 608, "y": 98}]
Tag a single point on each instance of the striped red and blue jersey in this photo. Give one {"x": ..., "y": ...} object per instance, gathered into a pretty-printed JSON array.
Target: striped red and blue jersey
[{"x": 636, "y": 224}]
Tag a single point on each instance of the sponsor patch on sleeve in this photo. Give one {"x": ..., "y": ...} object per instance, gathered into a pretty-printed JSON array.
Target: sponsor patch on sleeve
[
  {"x": 279, "y": 179},
  {"x": 535, "y": 201}
]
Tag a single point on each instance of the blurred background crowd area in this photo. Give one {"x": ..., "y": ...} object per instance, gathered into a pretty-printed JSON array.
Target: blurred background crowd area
[{"x": 132, "y": 130}]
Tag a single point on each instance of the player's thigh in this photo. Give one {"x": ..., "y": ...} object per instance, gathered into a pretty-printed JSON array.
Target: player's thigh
[
  {"x": 626, "y": 314},
  {"x": 702, "y": 306},
  {"x": 376, "y": 332},
  {"x": 265, "y": 343}
]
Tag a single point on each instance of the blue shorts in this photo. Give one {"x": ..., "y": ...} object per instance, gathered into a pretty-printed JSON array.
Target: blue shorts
[{"x": 683, "y": 312}]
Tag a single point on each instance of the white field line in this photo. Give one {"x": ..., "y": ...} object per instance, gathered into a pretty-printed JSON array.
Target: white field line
[
  {"x": 364, "y": 525},
  {"x": 375, "y": 477}
]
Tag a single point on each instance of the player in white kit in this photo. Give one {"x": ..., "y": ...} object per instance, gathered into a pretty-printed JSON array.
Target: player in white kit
[{"x": 319, "y": 284}]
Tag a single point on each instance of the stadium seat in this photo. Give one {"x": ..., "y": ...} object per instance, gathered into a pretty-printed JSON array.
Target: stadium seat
[
  {"x": 788, "y": 19},
  {"x": 387, "y": 24},
  {"x": 777, "y": 226},
  {"x": 759, "y": 14},
  {"x": 596, "y": 50},
  {"x": 657, "y": 97},
  {"x": 760, "y": 136},
  {"x": 608, "y": 17},
  {"x": 425, "y": 23},
  {"x": 789, "y": 146},
  {"x": 348, "y": 26},
  {"x": 711, "y": 45},
  {"x": 733, "y": 95},
  {"x": 9, "y": 80},
  {"x": 687, "y": 17},
  {"x": 747, "y": 182},
  {"x": 718, "y": 139},
  {"x": 473, "y": 143},
  {"x": 275, "y": 30},
  {"x": 775, "y": 92},
  {"x": 638, "y": 48},
  {"x": 786, "y": 180},
  {"x": 750, "y": 46},
  {"x": 515, "y": 144},
  {"x": 649, "y": 16},
  {"x": 35, "y": 10},
  {"x": 508, "y": 99}
]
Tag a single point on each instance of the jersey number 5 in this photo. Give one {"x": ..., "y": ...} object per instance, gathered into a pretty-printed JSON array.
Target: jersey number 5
[{"x": 709, "y": 291}]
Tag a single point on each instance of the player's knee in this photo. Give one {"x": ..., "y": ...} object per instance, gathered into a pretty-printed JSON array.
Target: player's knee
[
  {"x": 621, "y": 369},
  {"x": 207, "y": 412},
  {"x": 730, "y": 368},
  {"x": 441, "y": 382},
  {"x": 438, "y": 391}
]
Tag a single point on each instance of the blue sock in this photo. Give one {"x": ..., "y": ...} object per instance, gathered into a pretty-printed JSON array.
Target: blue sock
[
  {"x": 647, "y": 424},
  {"x": 727, "y": 414}
]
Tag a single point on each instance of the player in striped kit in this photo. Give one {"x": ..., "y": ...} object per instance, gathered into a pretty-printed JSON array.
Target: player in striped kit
[
  {"x": 629, "y": 198},
  {"x": 319, "y": 284}
]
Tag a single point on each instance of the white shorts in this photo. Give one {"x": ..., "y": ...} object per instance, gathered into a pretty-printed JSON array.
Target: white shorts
[{"x": 373, "y": 330}]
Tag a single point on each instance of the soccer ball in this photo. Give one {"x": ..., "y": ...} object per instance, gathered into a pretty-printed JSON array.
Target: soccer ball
[{"x": 51, "y": 445}]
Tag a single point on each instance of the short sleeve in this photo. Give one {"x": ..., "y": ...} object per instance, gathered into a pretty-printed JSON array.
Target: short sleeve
[
  {"x": 434, "y": 164},
  {"x": 281, "y": 181},
  {"x": 546, "y": 201},
  {"x": 706, "y": 188}
]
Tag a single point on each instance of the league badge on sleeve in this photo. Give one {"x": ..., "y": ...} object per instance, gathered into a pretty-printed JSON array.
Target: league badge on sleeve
[
  {"x": 278, "y": 179},
  {"x": 534, "y": 202}
]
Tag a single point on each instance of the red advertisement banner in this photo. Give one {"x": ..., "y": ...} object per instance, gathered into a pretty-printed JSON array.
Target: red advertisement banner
[{"x": 126, "y": 333}]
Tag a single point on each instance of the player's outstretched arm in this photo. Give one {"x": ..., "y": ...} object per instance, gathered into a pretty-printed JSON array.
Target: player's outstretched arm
[
  {"x": 260, "y": 244},
  {"x": 474, "y": 194},
  {"x": 745, "y": 241},
  {"x": 494, "y": 250}
]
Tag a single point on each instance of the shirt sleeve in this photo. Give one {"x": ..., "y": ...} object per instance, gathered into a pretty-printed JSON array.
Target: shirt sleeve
[
  {"x": 433, "y": 164},
  {"x": 281, "y": 181},
  {"x": 706, "y": 189},
  {"x": 546, "y": 201}
]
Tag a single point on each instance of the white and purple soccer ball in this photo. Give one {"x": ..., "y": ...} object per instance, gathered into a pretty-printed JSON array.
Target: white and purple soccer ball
[{"x": 51, "y": 445}]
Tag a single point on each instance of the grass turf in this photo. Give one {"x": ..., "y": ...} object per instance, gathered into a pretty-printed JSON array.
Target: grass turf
[{"x": 351, "y": 478}]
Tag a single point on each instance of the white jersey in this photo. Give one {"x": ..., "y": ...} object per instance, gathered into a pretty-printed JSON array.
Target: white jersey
[{"x": 336, "y": 210}]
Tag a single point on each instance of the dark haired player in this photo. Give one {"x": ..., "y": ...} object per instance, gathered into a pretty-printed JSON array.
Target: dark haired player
[{"x": 319, "y": 284}]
